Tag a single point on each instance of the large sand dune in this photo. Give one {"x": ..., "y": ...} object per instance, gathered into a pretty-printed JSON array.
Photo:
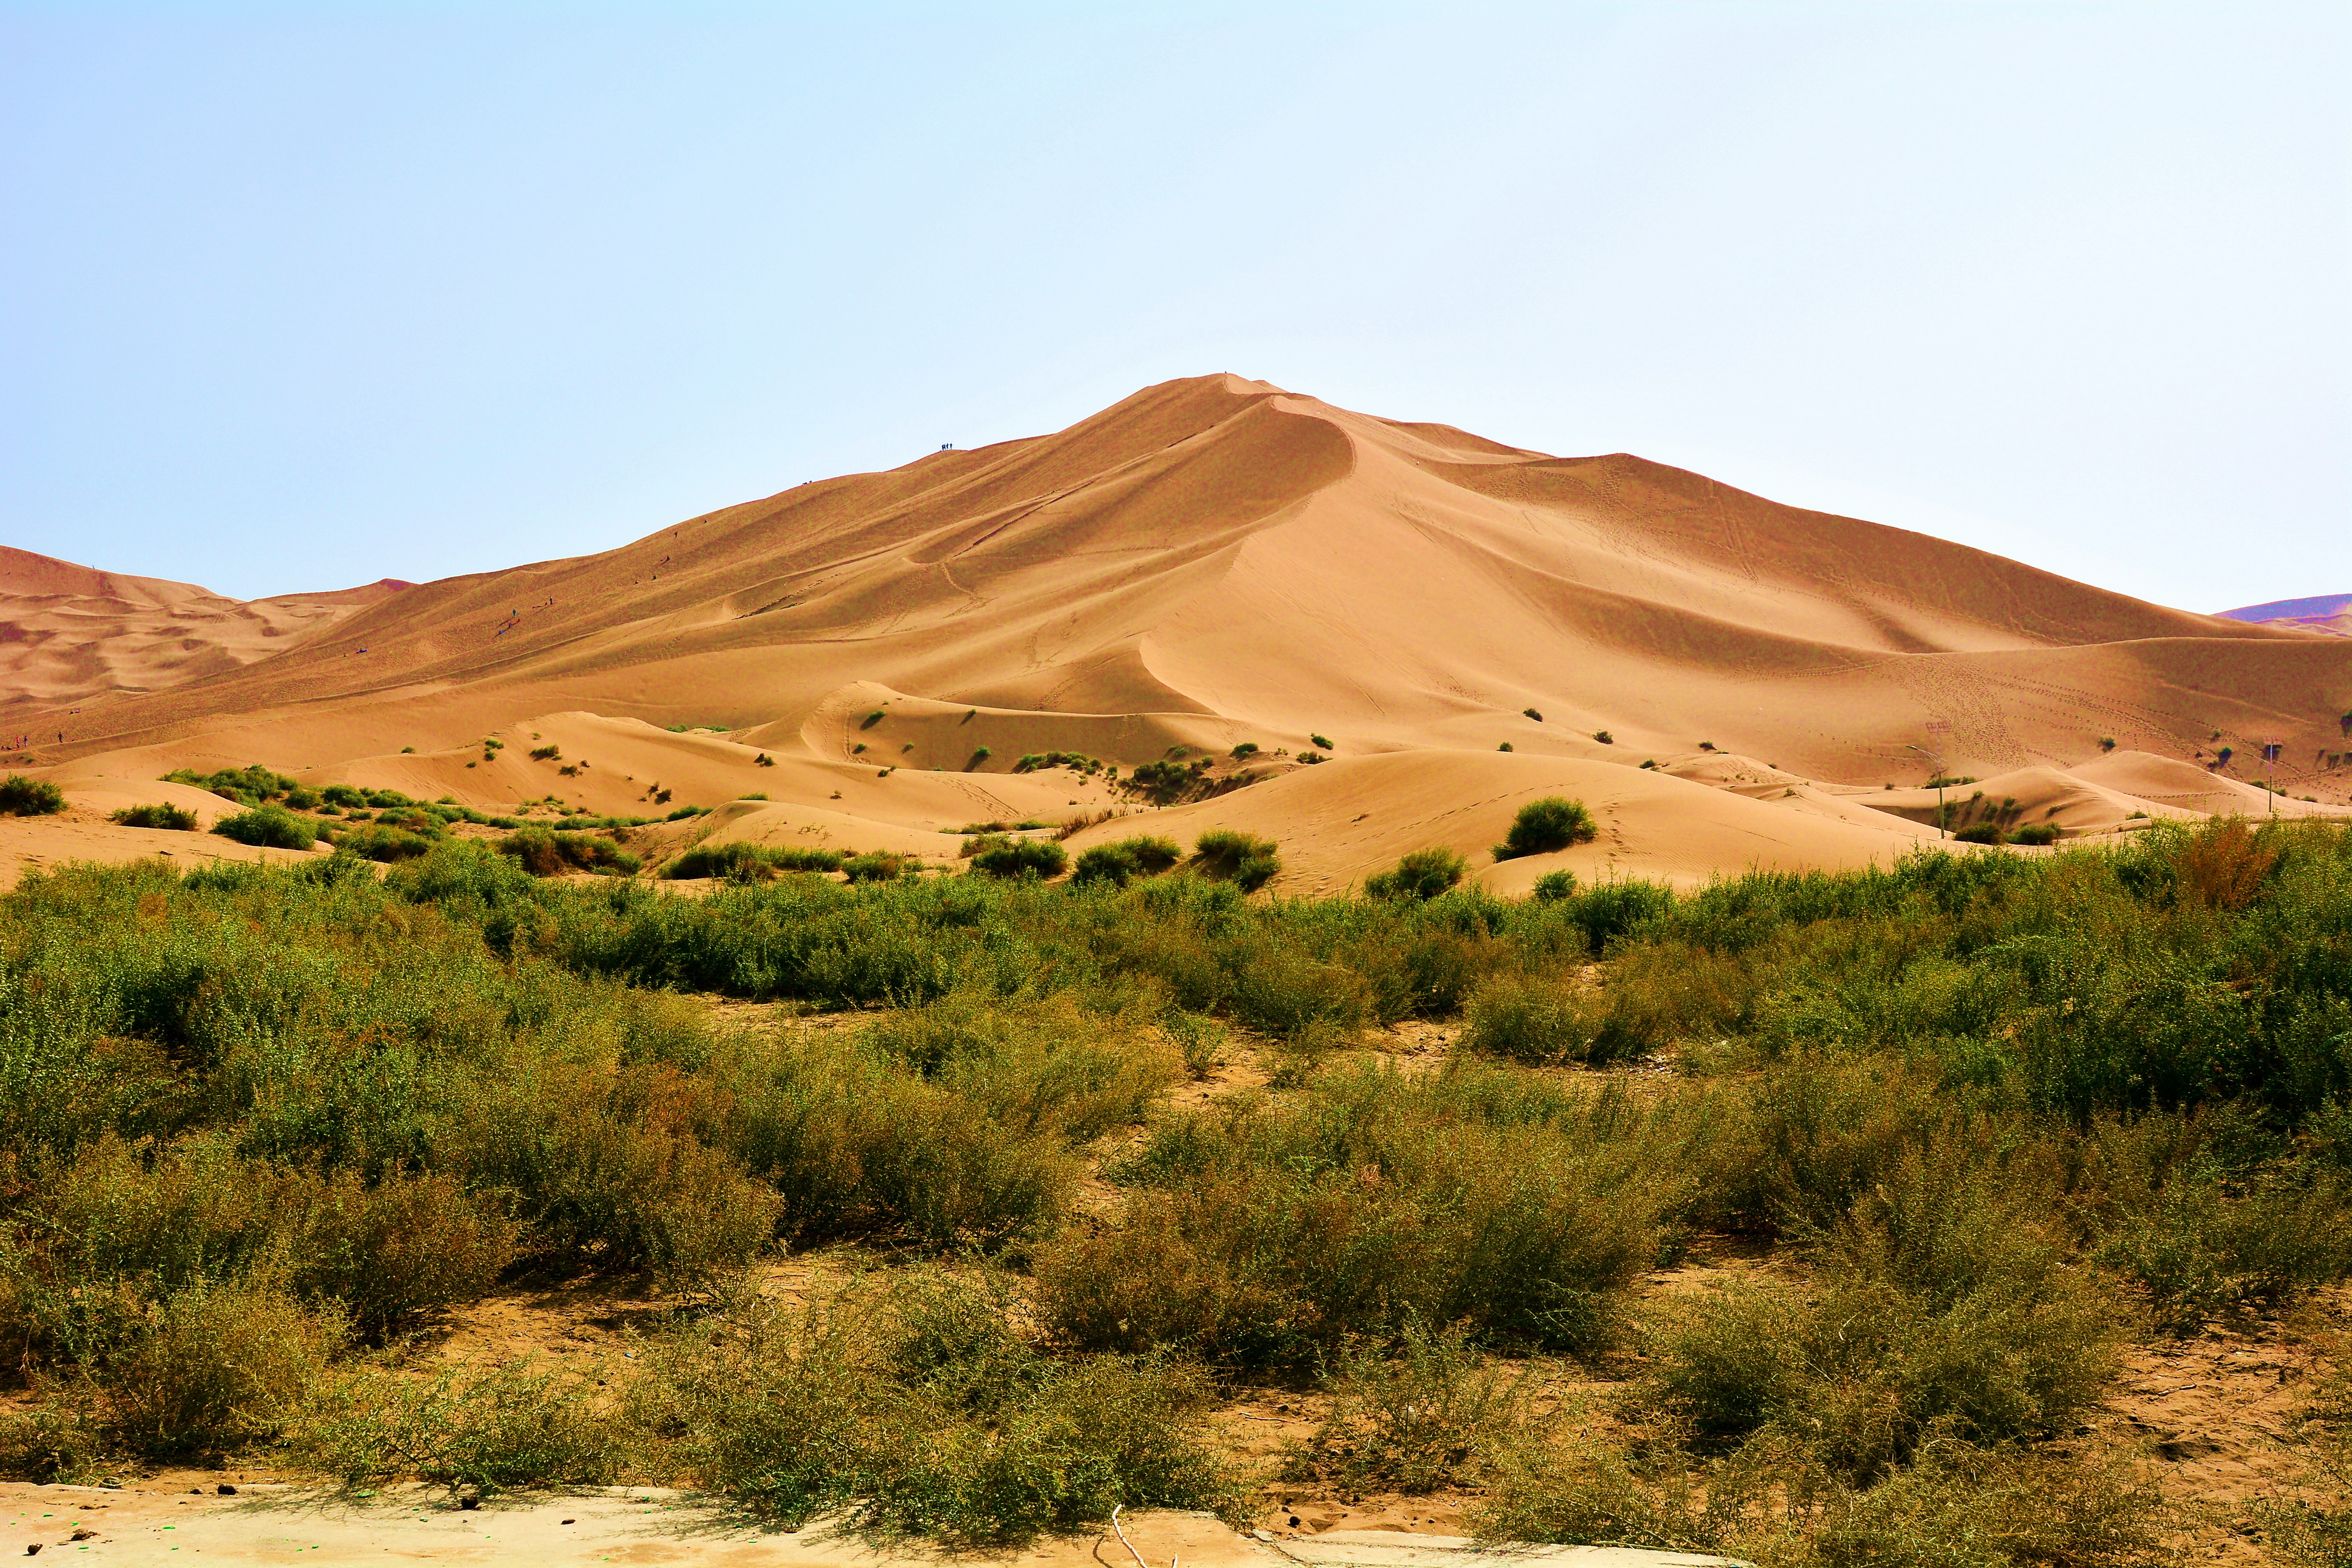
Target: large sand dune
[{"x": 1214, "y": 561}]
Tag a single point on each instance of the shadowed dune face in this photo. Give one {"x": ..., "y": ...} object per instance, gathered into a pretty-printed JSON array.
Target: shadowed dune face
[{"x": 1214, "y": 561}]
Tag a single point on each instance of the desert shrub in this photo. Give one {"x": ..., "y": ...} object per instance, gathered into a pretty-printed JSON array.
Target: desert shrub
[
  {"x": 925, "y": 1414},
  {"x": 1045, "y": 1065},
  {"x": 875, "y": 867},
  {"x": 1121, "y": 863},
  {"x": 740, "y": 861},
  {"x": 212, "y": 1366},
  {"x": 1554, "y": 885},
  {"x": 1981, "y": 833},
  {"x": 1546, "y": 825},
  {"x": 543, "y": 853},
  {"x": 24, "y": 797},
  {"x": 1773, "y": 1504},
  {"x": 1243, "y": 858},
  {"x": 1423, "y": 873},
  {"x": 1535, "y": 1019},
  {"x": 162, "y": 815},
  {"x": 2035, "y": 833},
  {"x": 546, "y": 753},
  {"x": 1604, "y": 738},
  {"x": 1947, "y": 1308},
  {"x": 859, "y": 1140},
  {"x": 388, "y": 845},
  {"x": 1263, "y": 1233},
  {"x": 1324, "y": 741},
  {"x": 1021, "y": 857},
  {"x": 1434, "y": 1413},
  {"x": 470, "y": 1428},
  {"x": 273, "y": 826}
]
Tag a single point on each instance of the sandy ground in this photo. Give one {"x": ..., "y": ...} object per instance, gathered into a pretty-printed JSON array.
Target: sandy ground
[
  {"x": 1212, "y": 564},
  {"x": 279, "y": 1523}
]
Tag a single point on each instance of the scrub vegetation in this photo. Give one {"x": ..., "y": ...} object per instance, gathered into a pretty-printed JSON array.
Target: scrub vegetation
[{"x": 1995, "y": 1119}]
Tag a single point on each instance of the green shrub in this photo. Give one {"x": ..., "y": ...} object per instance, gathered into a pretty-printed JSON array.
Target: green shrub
[
  {"x": 2035, "y": 833},
  {"x": 1604, "y": 738},
  {"x": 550, "y": 753},
  {"x": 1981, "y": 833},
  {"x": 468, "y": 1428},
  {"x": 1544, "y": 826},
  {"x": 1554, "y": 885},
  {"x": 543, "y": 852},
  {"x": 875, "y": 867},
  {"x": 1948, "y": 1309},
  {"x": 1021, "y": 857},
  {"x": 1532, "y": 714},
  {"x": 1324, "y": 741},
  {"x": 24, "y": 797},
  {"x": 1423, "y": 873},
  {"x": 1435, "y": 1415},
  {"x": 1245, "y": 860},
  {"x": 213, "y": 1366},
  {"x": 388, "y": 845},
  {"x": 273, "y": 826},
  {"x": 162, "y": 815},
  {"x": 1121, "y": 863},
  {"x": 925, "y": 1414},
  {"x": 1267, "y": 1233}
]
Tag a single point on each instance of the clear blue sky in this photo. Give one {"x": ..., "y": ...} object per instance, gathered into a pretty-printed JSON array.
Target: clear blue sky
[{"x": 299, "y": 297}]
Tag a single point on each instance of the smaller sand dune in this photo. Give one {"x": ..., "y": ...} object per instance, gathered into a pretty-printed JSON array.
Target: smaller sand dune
[
  {"x": 82, "y": 833},
  {"x": 1341, "y": 822}
]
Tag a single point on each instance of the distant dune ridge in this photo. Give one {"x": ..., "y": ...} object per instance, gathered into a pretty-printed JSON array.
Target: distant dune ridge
[
  {"x": 1209, "y": 562},
  {"x": 69, "y": 633},
  {"x": 2328, "y": 613}
]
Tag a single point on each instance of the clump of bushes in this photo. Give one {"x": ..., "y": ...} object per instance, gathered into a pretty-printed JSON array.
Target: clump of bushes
[
  {"x": 1423, "y": 873},
  {"x": 2035, "y": 833},
  {"x": 1542, "y": 827},
  {"x": 161, "y": 815},
  {"x": 544, "y": 852},
  {"x": 873, "y": 867},
  {"x": 995, "y": 855},
  {"x": 25, "y": 797},
  {"x": 1228, "y": 855},
  {"x": 918, "y": 1409},
  {"x": 1266, "y": 1234},
  {"x": 385, "y": 843},
  {"x": 740, "y": 861},
  {"x": 271, "y": 826},
  {"x": 249, "y": 785},
  {"x": 1324, "y": 741},
  {"x": 1121, "y": 863}
]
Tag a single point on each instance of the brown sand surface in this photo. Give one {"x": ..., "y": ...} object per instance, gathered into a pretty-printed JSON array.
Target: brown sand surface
[{"x": 1212, "y": 562}]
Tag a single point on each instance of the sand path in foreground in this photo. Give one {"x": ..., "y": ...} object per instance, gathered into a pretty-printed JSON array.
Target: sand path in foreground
[{"x": 646, "y": 1526}]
